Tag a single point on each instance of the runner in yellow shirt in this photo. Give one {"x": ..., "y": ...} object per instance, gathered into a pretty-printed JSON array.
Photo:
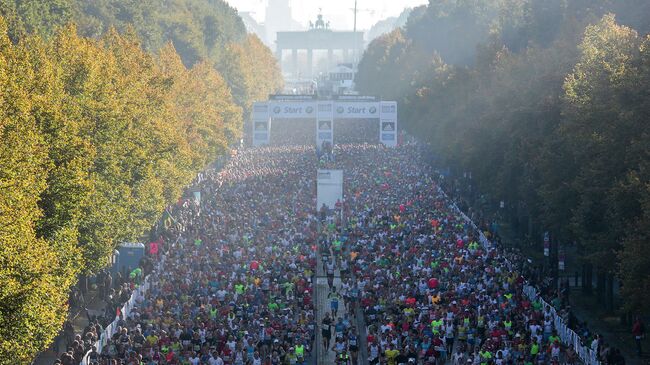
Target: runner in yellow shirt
[{"x": 391, "y": 354}]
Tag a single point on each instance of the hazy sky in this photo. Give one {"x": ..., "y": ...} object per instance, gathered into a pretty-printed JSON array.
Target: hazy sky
[{"x": 337, "y": 11}]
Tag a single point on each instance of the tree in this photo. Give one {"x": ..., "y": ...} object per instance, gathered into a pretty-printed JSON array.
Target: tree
[
  {"x": 199, "y": 29},
  {"x": 34, "y": 16},
  {"x": 388, "y": 25},
  {"x": 35, "y": 273},
  {"x": 251, "y": 70},
  {"x": 98, "y": 135},
  {"x": 598, "y": 131}
]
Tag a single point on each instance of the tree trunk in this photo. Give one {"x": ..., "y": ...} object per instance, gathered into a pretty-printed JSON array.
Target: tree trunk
[
  {"x": 587, "y": 272},
  {"x": 610, "y": 293},
  {"x": 83, "y": 284},
  {"x": 600, "y": 287}
]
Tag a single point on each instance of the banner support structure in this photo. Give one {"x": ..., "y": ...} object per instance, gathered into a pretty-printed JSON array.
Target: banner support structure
[{"x": 325, "y": 113}]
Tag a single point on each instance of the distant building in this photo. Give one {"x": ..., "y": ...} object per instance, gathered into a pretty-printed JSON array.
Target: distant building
[
  {"x": 278, "y": 18},
  {"x": 319, "y": 37}
]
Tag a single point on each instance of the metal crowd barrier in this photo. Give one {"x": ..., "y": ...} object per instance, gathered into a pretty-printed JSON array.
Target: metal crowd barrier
[{"x": 567, "y": 335}]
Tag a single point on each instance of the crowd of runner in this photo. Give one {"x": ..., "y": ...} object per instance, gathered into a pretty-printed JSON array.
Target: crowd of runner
[
  {"x": 237, "y": 283},
  {"x": 431, "y": 292},
  {"x": 237, "y": 280}
]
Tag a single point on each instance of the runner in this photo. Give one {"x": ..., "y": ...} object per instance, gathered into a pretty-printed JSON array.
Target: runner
[
  {"x": 326, "y": 331},
  {"x": 334, "y": 302},
  {"x": 353, "y": 345},
  {"x": 330, "y": 272}
]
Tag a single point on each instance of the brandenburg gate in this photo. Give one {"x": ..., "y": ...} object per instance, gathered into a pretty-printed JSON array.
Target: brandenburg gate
[{"x": 318, "y": 37}]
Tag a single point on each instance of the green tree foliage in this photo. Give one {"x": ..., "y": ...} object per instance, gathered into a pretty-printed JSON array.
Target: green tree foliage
[
  {"x": 550, "y": 119},
  {"x": 35, "y": 272},
  {"x": 34, "y": 16},
  {"x": 633, "y": 191},
  {"x": 388, "y": 25},
  {"x": 209, "y": 123},
  {"x": 251, "y": 71},
  {"x": 600, "y": 126},
  {"x": 200, "y": 30},
  {"x": 607, "y": 111},
  {"x": 390, "y": 52},
  {"x": 98, "y": 135},
  {"x": 452, "y": 28}
]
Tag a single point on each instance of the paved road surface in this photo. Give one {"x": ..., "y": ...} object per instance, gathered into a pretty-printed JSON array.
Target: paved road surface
[{"x": 327, "y": 356}]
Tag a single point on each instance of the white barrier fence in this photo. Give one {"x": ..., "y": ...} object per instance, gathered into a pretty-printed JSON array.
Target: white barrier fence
[
  {"x": 110, "y": 330},
  {"x": 567, "y": 335}
]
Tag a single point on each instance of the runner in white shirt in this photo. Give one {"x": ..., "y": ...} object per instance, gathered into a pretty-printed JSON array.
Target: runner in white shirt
[
  {"x": 215, "y": 359},
  {"x": 194, "y": 360},
  {"x": 257, "y": 360},
  {"x": 458, "y": 358},
  {"x": 373, "y": 353}
]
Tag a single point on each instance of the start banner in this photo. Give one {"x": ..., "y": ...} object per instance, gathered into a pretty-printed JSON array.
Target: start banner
[
  {"x": 325, "y": 113},
  {"x": 356, "y": 110},
  {"x": 292, "y": 110}
]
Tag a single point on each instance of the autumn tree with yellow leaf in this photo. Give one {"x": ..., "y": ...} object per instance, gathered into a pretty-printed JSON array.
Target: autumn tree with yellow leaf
[{"x": 97, "y": 135}]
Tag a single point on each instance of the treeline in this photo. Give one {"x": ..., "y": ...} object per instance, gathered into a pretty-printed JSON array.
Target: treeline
[
  {"x": 546, "y": 104},
  {"x": 100, "y": 130},
  {"x": 201, "y": 31}
]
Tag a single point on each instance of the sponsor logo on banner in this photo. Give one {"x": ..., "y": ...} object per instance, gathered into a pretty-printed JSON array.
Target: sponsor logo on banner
[
  {"x": 260, "y": 126},
  {"x": 324, "y": 135},
  {"x": 324, "y": 125},
  {"x": 359, "y": 109},
  {"x": 293, "y": 110},
  {"x": 388, "y": 127},
  {"x": 388, "y": 108},
  {"x": 388, "y": 136}
]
